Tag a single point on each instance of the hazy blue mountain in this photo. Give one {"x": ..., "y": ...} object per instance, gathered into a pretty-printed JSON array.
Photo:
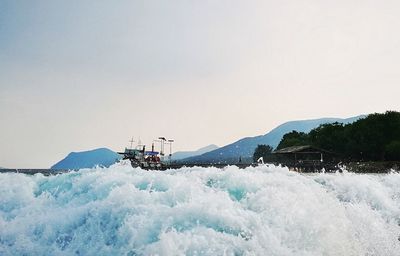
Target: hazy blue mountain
[
  {"x": 245, "y": 147},
  {"x": 185, "y": 154},
  {"x": 87, "y": 159}
]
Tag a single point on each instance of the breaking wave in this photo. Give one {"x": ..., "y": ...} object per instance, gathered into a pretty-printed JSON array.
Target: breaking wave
[{"x": 264, "y": 210}]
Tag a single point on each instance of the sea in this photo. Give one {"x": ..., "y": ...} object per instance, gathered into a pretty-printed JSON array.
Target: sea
[{"x": 264, "y": 210}]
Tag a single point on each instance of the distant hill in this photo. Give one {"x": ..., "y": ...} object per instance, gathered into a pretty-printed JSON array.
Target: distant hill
[
  {"x": 88, "y": 159},
  {"x": 185, "y": 154},
  {"x": 245, "y": 147}
]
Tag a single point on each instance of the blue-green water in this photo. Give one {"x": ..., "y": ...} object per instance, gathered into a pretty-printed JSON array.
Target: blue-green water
[{"x": 199, "y": 211}]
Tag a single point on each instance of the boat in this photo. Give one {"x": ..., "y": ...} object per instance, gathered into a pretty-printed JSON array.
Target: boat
[
  {"x": 148, "y": 160},
  {"x": 156, "y": 160}
]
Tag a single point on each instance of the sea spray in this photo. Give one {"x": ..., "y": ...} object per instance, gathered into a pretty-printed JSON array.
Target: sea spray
[{"x": 264, "y": 210}]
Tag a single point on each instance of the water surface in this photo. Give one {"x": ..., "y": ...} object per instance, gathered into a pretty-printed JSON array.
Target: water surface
[{"x": 199, "y": 211}]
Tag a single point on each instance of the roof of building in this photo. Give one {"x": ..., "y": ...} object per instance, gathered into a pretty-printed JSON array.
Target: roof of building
[{"x": 295, "y": 149}]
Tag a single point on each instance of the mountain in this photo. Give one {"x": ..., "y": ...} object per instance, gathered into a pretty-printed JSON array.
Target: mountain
[
  {"x": 185, "y": 154},
  {"x": 245, "y": 147},
  {"x": 88, "y": 159}
]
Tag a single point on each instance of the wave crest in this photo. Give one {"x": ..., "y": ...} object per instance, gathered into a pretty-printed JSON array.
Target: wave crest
[{"x": 265, "y": 210}]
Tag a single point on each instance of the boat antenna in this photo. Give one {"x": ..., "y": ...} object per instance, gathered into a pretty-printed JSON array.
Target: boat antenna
[{"x": 163, "y": 140}]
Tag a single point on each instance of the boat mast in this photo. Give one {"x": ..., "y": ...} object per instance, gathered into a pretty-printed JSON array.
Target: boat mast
[
  {"x": 131, "y": 141},
  {"x": 170, "y": 150}
]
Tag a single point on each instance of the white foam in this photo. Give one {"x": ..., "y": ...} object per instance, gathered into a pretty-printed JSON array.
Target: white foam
[{"x": 199, "y": 211}]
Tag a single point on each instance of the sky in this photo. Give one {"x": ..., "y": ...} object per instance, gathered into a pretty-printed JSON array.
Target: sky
[{"x": 78, "y": 75}]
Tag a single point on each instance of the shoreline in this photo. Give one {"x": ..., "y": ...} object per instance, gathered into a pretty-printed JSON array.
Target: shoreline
[
  {"x": 373, "y": 167},
  {"x": 380, "y": 167}
]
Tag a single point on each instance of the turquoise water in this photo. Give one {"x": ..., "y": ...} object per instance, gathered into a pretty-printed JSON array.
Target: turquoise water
[{"x": 199, "y": 211}]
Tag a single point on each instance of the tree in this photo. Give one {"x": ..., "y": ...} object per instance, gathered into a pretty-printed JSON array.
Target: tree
[
  {"x": 393, "y": 150},
  {"x": 262, "y": 151},
  {"x": 328, "y": 136},
  {"x": 293, "y": 138},
  {"x": 374, "y": 138}
]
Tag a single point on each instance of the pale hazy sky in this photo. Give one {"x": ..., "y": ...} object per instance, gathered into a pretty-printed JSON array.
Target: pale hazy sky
[{"x": 77, "y": 75}]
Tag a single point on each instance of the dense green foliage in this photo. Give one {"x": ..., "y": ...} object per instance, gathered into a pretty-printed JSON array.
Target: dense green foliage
[
  {"x": 376, "y": 137},
  {"x": 262, "y": 151},
  {"x": 293, "y": 139}
]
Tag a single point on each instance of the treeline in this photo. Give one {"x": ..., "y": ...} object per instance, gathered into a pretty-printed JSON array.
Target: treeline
[{"x": 373, "y": 138}]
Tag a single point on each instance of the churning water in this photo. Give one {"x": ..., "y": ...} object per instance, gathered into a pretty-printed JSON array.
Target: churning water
[{"x": 199, "y": 211}]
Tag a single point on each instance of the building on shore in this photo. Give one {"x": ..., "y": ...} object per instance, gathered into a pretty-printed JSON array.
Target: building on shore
[{"x": 306, "y": 158}]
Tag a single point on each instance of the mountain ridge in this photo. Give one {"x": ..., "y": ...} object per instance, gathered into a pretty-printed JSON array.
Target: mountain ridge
[
  {"x": 244, "y": 148},
  {"x": 88, "y": 159},
  {"x": 185, "y": 154},
  {"x": 106, "y": 157}
]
